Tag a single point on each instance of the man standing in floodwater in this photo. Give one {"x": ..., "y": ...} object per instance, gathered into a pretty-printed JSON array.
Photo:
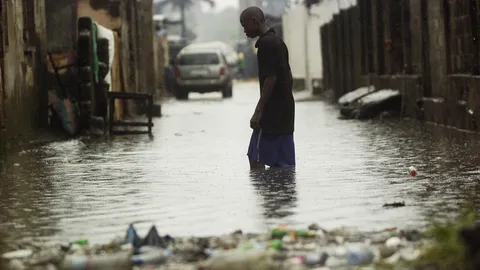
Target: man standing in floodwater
[{"x": 272, "y": 122}]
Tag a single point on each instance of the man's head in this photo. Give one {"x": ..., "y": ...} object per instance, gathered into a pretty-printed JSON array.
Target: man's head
[{"x": 252, "y": 20}]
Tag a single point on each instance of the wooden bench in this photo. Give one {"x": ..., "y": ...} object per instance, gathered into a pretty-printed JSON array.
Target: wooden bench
[{"x": 129, "y": 96}]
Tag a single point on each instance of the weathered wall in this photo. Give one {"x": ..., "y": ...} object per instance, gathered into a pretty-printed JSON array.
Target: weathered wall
[
  {"x": 24, "y": 95},
  {"x": 137, "y": 44},
  {"x": 145, "y": 32},
  {"x": 429, "y": 50},
  {"x": 437, "y": 48}
]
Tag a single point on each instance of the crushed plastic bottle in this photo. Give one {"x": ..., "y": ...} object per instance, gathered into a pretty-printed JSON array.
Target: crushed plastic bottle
[
  {"x": 17, "y": 254},
  {"x": 153, "y": 256},
  {"x": 275, "y": 244},
  {"x": 412, "y": 171},
  {"x": 119, "y": 261},
  {"x": 360, "y": 255},
  {"x": 315, "y": 258},
  {"x": 279, "y": 233},
  {"x": 252, "y": 246},
  {"x": 81, "y": 242},
  {"x": 239, "y": 260},
  {"x": 393, "y": 242}
]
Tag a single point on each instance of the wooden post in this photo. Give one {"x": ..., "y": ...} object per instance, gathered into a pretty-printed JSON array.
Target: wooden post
[
  {"x": 111, "y": 111},
  {"x": 150, "y": 113}
]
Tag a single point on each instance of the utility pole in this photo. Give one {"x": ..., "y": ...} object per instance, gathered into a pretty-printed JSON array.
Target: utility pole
[{"x": 307, "y": 62}]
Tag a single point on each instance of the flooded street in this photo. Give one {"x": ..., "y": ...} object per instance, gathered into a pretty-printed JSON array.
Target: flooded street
[{"x": 192, "y": 176}]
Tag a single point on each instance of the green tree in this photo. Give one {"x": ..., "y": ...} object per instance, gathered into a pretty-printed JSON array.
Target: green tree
[{"x": 182, "y": 6}]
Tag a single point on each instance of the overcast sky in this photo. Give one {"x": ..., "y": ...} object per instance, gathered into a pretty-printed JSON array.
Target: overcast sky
[{"x": 221, "y": 4}]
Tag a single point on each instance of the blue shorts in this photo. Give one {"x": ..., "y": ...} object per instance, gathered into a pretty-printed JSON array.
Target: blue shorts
[{"x": 272, "y": 150}]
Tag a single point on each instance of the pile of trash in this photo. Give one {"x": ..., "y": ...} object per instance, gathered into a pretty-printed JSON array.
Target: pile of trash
[{"x": 281, "y": 248}]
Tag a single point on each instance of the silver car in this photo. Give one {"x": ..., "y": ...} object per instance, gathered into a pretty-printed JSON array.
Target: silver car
[{"x": 202, "y": 70}]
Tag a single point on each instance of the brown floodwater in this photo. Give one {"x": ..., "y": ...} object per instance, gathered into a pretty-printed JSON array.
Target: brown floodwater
[{"x": 192, "y": 176}]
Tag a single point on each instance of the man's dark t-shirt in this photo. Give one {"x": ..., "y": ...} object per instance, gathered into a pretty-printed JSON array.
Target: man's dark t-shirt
[{"x": 278, "y": 115}]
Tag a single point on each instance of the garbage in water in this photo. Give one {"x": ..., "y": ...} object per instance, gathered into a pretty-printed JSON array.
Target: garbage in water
[
  {"x": 394, "y": 205},
  {"x": 412, "y": 171},
  {"x": 361, "y": 255},
  {"x": 280, "y": 248},
  {"x": 120, "y": 261},
  {"x": 80, "y": 242},
  {"x": 17, "y": 254}
]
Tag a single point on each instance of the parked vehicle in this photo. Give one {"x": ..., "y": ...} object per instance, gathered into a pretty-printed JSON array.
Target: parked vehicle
[
  {"x": 230, "y": 54},
  {"x": 202, "y": 70}
]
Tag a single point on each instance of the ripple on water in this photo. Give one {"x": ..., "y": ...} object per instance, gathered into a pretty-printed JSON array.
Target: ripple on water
[{"x": 199, "y": 182}]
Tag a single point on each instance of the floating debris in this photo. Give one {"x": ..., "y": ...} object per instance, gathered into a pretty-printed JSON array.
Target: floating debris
[
  {"x": 412, "y": 171},
  {"x": 394, "y": 205}
]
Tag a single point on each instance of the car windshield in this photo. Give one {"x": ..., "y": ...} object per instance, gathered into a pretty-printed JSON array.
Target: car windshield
[{"x": 199, "y": 59}]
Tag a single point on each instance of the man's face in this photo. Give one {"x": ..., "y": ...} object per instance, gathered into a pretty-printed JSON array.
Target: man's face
[{"x": 250, "y": 26}]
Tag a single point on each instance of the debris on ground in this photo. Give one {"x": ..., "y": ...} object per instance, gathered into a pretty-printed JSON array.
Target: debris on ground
[{"x": 281, "y": 248}]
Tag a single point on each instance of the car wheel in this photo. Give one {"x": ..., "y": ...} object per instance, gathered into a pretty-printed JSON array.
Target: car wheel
[
  {"x": 182, "y": 93},
  {"x": 230, "y": 91},
  {"x": 227, "y": 91}
]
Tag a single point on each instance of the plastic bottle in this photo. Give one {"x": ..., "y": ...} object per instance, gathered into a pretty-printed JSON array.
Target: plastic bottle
[
  {"x": 120, "y": 261},
  {"x": 412, "y": 171},
  {"x": 275, "y": 244},
  {"x": 158, "y": 256},
  {"x": 250, "y": 246},
  {"x": 81, "y": 242},
  {"x": 278, "y": 233},
  {"x": 360, "y": 255},
  {"x": 239, "y": 260},
  {"x": 316, "y": 258}
]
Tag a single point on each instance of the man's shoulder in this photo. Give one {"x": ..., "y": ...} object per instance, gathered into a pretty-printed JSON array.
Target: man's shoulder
[{"x": 269, "y": 40}]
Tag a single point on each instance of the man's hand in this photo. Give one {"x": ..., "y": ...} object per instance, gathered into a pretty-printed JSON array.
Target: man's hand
[{"x": 255, "y": 120}]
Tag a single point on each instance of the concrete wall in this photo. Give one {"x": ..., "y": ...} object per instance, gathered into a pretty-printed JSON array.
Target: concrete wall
[
  {"x": 23, "y": 95},
  {"x": 294, "y": 35},
  {"x": 61, "y": 25}
]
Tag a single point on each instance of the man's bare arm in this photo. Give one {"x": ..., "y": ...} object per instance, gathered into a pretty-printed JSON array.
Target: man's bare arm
[{"x": 268, "y": 86}]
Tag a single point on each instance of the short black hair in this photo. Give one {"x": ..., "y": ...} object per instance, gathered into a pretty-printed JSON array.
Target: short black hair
[{"x": 253, "y": 12}]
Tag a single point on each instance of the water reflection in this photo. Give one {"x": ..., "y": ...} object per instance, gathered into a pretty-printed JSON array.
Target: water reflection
[
  {"x": 277, "y": 187},
  {"x": 192, "y": 178},
  {"x": 446, "y": 159},
  {"x": 25, "y": 192}
]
